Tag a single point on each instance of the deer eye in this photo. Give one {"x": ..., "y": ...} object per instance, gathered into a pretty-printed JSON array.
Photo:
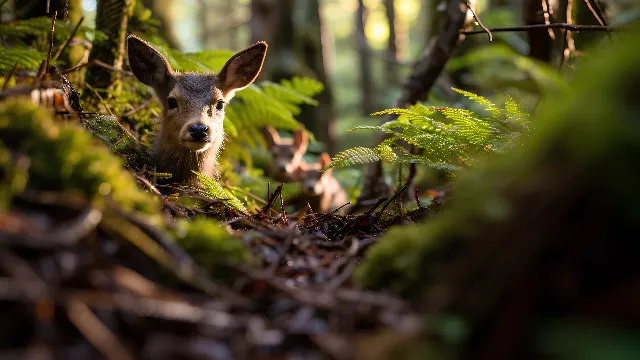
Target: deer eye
[
  {"x": 220, "y": 105},
  {"x": 172, "y": 103}
]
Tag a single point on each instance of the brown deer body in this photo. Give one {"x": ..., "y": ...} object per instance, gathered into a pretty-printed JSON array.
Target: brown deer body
[
  {"x": 321, "y": 190},
  {"x": 191, "y": 131},
  {"x": 286, "y": 154}
]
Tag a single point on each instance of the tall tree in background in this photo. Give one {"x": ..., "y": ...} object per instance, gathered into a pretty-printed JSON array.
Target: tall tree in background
[
  {"x": 163, "y": 11},
  {"x": 295, "y": 48},
  {"x": 392, "y": 46},
  {"x": 320, "y": 120},
  {"x": 111, "y": 18},
  {"x": 367, "y": 86}
]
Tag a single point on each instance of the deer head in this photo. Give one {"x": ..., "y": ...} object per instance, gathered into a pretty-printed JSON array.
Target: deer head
[
  {"x": 191, "y": 130},
  {"x": 287, "y": 153}
]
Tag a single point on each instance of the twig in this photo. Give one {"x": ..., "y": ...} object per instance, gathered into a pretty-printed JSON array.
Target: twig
[
  {"x": 96, "y": 331},
  {"x": 75, "y": 68},
  {"x": 272, "y": 199},
  {"x": 595, "y": 13},
  {"x": 546, "y": 10},
  {"x": 328, "y": 215},
  {"x": 249, "y": 194},
  {"x": 391, "y": 199},
  {"x": 475, "y": 16},
  {"x": 565, "y": 26},
  {"x": 138, "y": 108},
  {"x": 601, "y": 11},
  {"x": 284, "y": 213},
  {"x": 109, "y": 67},
  {"x": 569, "y": 46},
  {"x": 9, "y": 76},
  {"x": 68, "y": 40},
  {"x": 53, "y": 29},
  {"x": 48, "y": 6}
]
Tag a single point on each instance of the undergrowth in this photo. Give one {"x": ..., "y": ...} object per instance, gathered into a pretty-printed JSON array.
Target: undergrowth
[{"x": 447, "y": 138}]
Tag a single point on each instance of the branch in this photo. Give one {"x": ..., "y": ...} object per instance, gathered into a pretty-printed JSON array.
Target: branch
[
  {"x": 565, "y": 26},
  {"x": 479, "y": 22}
]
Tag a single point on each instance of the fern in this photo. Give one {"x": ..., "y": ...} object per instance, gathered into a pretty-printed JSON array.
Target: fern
[
  {"x": 27, "y": 57},
  {"x": 215, "y": 190},
  {"x": 445, "y": 144}
]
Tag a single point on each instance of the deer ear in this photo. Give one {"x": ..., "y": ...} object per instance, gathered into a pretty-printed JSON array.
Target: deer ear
[
  {"x": 147, "y": 64},
  {"x": 242, "y": 69},
  {"x": 271, "y": 136},
  {"x": 325, "y": 159},
  {"x": 300, "y": 140}
]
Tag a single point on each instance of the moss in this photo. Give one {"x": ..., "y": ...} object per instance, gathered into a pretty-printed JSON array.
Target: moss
[
  {"x": 66, "y": 157},
  {"x": 575, "y": 178},
  {"x": 13, "y": 176},
  {"x": 113, "y": 134},
  {"x": 209, "y": 243}
]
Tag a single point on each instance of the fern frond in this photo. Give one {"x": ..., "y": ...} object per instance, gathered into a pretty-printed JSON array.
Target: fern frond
[
  {"x": 354, "y": 156},
  {"x": 214, "y": 190},
  {"x": 304, "y": 85},
  {"x": 287, "y": 96},
  {"x": 443, "y": 144},
  {"x": 25, "y": 58}
]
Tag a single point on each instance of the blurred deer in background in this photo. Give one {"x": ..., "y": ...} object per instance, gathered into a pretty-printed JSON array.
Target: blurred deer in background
[
  {"x": 286, "y": 154},
  {"x": 321, "y": 190},
  {"x": 191, "y": 131}
]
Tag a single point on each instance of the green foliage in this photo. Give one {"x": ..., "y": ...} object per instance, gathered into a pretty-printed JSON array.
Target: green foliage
[
  {"x": 65, "y": 157},
  {"x": 214, "y": 190},
  {"x": 24, "y": 57},
  {"x": 13, "y": 176},
  {"x": 29, "y": 57},
  {"x": 446, "y": 144},
  {"x": 111, "y": 132},
  {"x": 209, "y": 243},
  {"x": 573, "y": 175}
]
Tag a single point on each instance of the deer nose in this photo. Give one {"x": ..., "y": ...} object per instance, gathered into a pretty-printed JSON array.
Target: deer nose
[
  {"x": 198, "y": 131},
  {"x": 282, "y": 168}
]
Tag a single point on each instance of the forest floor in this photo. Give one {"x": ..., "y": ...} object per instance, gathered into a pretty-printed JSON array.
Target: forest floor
[{"x": 84, "y": 282}]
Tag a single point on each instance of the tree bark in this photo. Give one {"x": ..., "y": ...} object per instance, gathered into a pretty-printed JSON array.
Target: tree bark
[
  {"x": 320, "y": 120},
  {"x": 392, "y": 47},
  {"x": 367, "y": 86},
  {"x": 111, "y": 18},
  {"x": 540, "y": 42},
  {"x": 161, "y": 10}
]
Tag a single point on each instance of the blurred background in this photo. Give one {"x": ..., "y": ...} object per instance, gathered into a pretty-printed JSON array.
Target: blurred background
[{"x": 364, "y": 49}]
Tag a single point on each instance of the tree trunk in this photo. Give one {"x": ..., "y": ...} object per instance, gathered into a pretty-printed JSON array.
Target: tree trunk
[
  {"x": 320, "y": 120},
  {"x": 392, "y": 47},
  {"x": 540, "y": 41},
  {"x": 367, "y": 86},
  {"x": 163, "y": 11},
  {"x": 264, "y": 27},
  {"x": 111, "y": 18}
]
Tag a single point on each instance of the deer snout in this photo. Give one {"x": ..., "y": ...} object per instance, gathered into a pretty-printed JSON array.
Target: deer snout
[{"x": 199, "y": 132}]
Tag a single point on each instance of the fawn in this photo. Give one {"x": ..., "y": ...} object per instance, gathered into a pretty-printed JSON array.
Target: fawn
[
  {"x": 287, "y": 154},
  {"x": 191, "y": 132},
  {"x": 320, "y": 189}
]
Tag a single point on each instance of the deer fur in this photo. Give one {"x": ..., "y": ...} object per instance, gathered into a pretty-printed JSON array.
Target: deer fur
[
  {"x": 191, "y": 132},
  {"x": 286, "y": 154},
  {"x": 321, "y": 190}
]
